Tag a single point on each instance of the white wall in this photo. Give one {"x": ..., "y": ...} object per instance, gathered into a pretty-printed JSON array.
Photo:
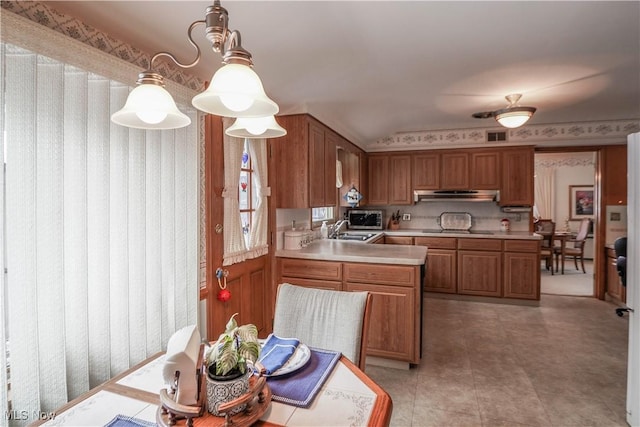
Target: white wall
[{"x": 568, "y": 169}]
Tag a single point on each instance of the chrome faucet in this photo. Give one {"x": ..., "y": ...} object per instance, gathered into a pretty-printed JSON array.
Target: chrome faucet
[{"x": 337, "y": 228}]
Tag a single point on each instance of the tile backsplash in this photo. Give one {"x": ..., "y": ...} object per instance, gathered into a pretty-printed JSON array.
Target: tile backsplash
[{"x": 485, "y": 216}]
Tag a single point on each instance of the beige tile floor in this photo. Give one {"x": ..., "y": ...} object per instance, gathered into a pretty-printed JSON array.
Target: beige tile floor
[{"x": 560, "y": 364}]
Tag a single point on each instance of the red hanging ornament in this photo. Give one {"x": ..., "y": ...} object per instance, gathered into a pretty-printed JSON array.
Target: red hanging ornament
[{"x": 224, "y": 295}]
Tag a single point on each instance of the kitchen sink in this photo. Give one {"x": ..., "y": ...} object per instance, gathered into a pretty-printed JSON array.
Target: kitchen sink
[{"x": 362, "y": 237}]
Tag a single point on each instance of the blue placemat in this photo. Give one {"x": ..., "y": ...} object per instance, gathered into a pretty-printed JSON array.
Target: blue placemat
[
  {"x": 299, "y": 388},
  {"x": 124, "y": 421}
]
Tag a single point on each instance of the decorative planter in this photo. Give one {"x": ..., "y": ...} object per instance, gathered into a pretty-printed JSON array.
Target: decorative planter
[{"x": 225, "y": 389}]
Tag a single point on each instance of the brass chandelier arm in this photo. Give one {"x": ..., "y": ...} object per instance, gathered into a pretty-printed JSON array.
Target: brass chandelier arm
[{"x": 173, "y": 58}]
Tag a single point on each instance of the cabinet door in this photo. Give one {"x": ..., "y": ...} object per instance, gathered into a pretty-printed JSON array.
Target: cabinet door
[
  {"x": 400, "y": 192},
  {"x": 292, "y": 150},
  {"x": 398, "y": 240},
  {"x": 331, "y": 142},
  {"x": 615, "y": 175},
  {"x": 614, "y": 285},
  {"x": 517, "y": 177},
  {"x": 521, "y": 275},
  {"x": 454, "y": 173},
  {"x": 485, "y": 170},
  {"x": 441, "y": 271},
  {"x": 479, "y": 273},
  {"x": 378, "y": 193},
  {"x": 393, "y": 311},
  {"x": 426, "y": 171},
  {"x": 316, "y": 165}
]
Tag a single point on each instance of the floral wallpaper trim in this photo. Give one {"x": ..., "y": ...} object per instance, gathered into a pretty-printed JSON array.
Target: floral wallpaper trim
[
  {"x": 529, "y": 134},
  {"x": 77, "y": 30}
]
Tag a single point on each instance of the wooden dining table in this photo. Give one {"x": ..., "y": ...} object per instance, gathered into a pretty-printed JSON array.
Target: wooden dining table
[
  {"x": 562, "y": 237},
  {"x": 348, "y": 397}
]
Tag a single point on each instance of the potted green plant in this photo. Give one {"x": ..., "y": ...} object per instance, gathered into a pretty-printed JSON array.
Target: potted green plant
[{"x": 226, "y": 363}]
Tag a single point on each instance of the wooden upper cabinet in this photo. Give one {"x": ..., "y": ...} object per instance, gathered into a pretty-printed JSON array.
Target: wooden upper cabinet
[
  {"x": 400, "y": 191},
  {"x": 614, "y": 179},
  {"x": 331, "y": 142},
  {"x": 316, "y": 165},
  {"x": 306, "y": 159},
  {"x": 517, "y": 177},
  {"x": 485, "y": 170},
  {"x": 454, "y": 171},
  {"x": 426, "y": 171},
  {"x": 378, "y": 193},
  {"x": 390, "y": 180}
]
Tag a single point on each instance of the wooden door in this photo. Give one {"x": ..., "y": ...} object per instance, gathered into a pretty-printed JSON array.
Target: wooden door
[
  {"x": 441, "y": 271},
  {"x": 517, "y": 177},
  {"x": 479, "y": 273},
  {"x": 485, "y": 170},
  {"x": 426, "y": 171},
  {"x": 378, "y": 185},
  {"x": 247, "y": 281},
  {"x": 454, "y": 171},
  {"x": 400, "y": 192},
  {"x": 316, "y": 165},
  {"x": 521, "y": 275}
]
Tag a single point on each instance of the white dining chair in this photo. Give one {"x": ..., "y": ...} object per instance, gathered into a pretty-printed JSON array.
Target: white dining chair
[{"x": 332, "y": 320}]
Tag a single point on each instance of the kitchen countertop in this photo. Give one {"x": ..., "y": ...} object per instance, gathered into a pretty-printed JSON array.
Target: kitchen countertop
[
  {"x": 490, "y": 234},
  {"x": 358, "y": 251},
  {"x": 354, "y": 251}
]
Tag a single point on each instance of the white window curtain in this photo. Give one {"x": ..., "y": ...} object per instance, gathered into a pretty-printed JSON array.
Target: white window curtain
[
  {"x": 544, "y": 191},
  {"x": 258, "y": 236},
  {"x": 235, "y": 248},
  {"x": 101, "y": 231}
]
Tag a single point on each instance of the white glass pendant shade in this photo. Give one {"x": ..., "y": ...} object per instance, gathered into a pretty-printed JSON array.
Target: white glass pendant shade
[
  {"x": 150, "y": 106},
  {"x": 235, "y": 91},
  {"x": 258, "y": 127},
  {"x": 513, "y": 117}
]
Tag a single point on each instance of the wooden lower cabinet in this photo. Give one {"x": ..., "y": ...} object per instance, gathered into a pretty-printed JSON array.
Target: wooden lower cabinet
[
  {"x": 392, "y": 321},
  {"x": 398, "y": 240},
  {"x": 614, "y": 285},
  {"x": 521, "y": 268},
  {"x": 395, "y": 328},
  {"x": 442, "y": 265},
  {"x": 479, "y": 273}
]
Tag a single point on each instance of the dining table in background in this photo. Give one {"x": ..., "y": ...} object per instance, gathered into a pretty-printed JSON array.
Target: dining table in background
[
  {"x": 348, "y": 397},
  {"x": 562, "y": 237}
]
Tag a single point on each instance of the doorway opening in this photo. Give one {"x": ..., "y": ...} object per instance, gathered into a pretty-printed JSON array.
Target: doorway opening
[{"x": 566, "y": 193}]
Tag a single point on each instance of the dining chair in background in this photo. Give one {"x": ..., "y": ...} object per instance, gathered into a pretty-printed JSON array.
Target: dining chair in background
[
  {"x": 321, "y": 318},
  {"x": 575, "y": 247},
  {"x": 547, "y": 229}
]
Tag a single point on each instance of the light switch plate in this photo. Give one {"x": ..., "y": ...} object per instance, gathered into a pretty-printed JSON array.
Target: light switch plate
[{"x": 406, "y": 217}]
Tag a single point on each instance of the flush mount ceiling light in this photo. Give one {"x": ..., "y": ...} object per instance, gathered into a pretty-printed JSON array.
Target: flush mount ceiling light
[
  {"x": 235, "y": 89},
  {"x": 512, "y": 116},
  {"x": 261, "y": 127}
]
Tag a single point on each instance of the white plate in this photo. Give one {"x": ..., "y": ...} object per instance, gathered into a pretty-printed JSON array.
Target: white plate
[{"x": 298, "y": 359}]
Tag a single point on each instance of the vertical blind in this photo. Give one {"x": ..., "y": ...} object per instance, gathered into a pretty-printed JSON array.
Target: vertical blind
[{"x": 101, "y": 229}]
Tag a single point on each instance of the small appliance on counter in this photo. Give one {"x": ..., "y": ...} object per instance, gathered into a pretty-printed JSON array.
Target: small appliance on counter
[{"x": 365, "y": 219}]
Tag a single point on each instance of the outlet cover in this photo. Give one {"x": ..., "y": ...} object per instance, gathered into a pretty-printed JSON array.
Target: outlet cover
[{"x": 406, "y": 217}]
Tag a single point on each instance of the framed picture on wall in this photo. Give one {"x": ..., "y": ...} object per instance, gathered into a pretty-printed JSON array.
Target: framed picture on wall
[{"x": 580, "y": 201}]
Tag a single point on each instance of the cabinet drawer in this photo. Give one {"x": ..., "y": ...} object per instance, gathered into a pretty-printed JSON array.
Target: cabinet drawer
[
  {"x": 310, "y": 269},
  {"x": 398, "y": 240},
  {"x": 437, "y": 242},
  {"x": 311, "y": 283},
  {"x": 522, "y": 245},
  {"x": 480, "y": 244},
  {"x": 384, "y": 274}
]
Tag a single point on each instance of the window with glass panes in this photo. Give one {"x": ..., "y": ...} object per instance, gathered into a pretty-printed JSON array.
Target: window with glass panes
[{"x": 246, "y": 195}]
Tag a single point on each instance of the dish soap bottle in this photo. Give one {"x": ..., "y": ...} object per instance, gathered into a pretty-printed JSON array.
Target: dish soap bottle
[{"x": 324, "y": 230}]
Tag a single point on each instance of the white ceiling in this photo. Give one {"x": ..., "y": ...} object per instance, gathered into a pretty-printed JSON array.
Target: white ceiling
[{"x": 370, "y": 69}]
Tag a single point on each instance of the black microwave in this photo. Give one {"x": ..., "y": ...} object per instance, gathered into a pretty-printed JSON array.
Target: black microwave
[{"x": 365, "y": 219}]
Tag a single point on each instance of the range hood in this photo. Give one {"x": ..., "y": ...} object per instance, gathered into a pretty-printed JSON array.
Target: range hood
[{"x": 456, "y": 195}]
